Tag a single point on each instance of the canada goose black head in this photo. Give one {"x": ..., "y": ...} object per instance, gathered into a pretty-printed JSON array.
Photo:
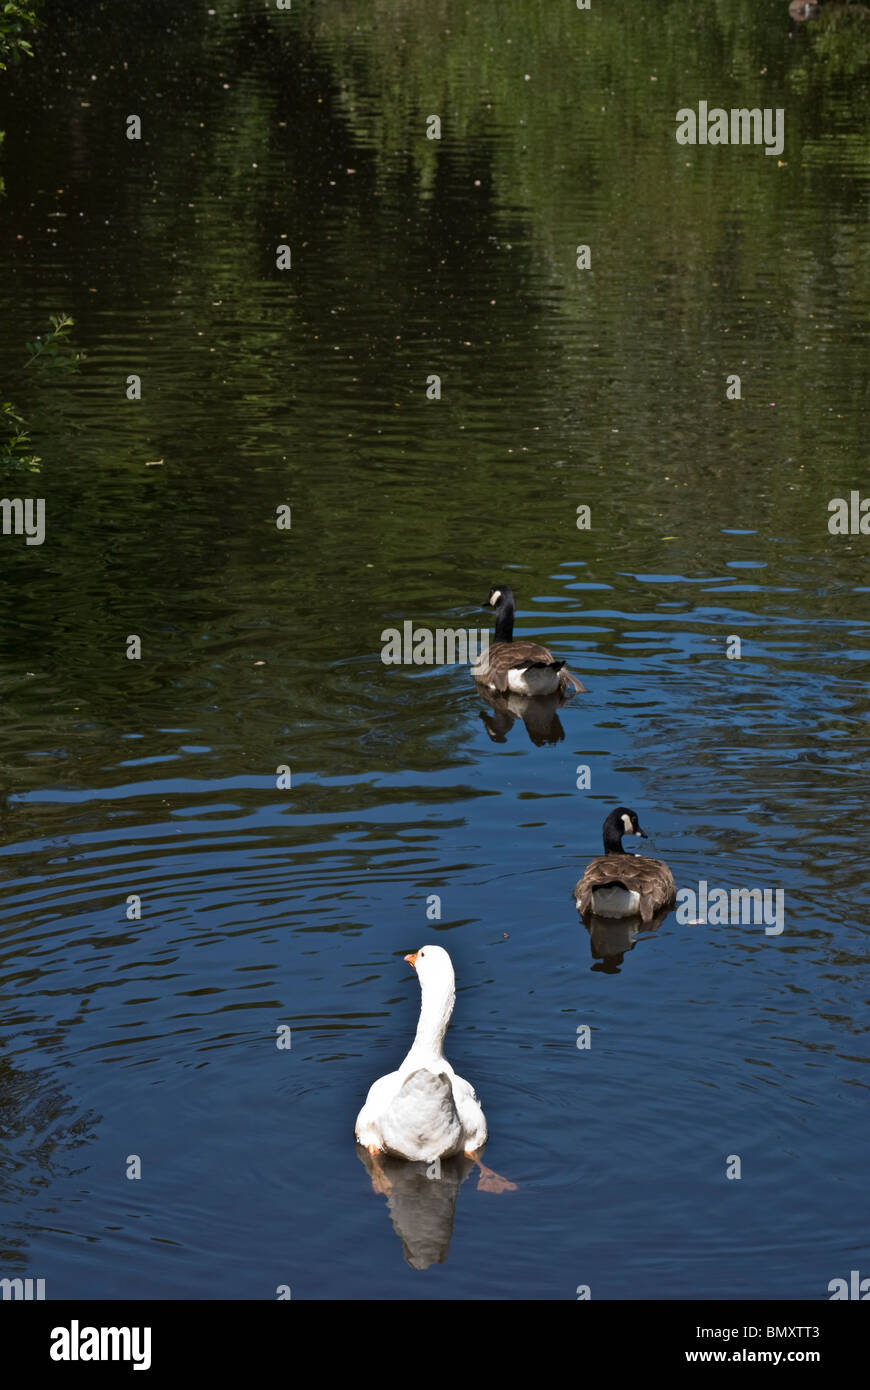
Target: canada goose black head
[
  {"x": 620, "y": 822},
  {"x": 501, "y": 598}
]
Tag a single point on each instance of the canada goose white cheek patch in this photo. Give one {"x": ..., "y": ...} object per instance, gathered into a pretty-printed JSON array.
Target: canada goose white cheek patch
[
  {"x": 495, "y": 597},
  {"x": 629, "y": 828}
]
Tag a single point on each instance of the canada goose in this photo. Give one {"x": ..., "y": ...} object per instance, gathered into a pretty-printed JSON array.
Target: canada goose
[
  {"x": 524, "y": 667},
  {"x": 424, "y": 1110},
  {"x": 624, "y": 885}
]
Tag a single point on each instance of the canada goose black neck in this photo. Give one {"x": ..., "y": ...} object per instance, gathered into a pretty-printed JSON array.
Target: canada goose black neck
[
  {"x": 504, "y": 624},
  {"x": 501, "y": 598},
  {"x": 612, "y": 837}
]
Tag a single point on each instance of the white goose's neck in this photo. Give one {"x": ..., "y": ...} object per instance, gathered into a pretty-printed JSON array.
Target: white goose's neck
[{"x": 437, "y": 998}]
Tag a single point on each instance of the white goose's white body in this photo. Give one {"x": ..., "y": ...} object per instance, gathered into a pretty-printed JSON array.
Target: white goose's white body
[{"x": 424, "y": 1110}]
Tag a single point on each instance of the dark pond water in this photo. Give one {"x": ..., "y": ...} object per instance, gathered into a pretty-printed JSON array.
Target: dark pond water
[{"x": 561, "y": 388}]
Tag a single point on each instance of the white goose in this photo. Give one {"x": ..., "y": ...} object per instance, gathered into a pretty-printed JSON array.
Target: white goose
[{"x": 424, "y": 1111}]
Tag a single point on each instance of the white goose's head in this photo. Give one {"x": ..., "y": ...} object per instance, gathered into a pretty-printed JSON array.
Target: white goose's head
[{"x": 434, "y": 967}]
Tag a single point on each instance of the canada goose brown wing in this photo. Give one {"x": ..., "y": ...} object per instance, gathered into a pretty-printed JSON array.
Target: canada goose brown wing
[
  {"x": 503, "y": 657},
  {"x": 649, "y": 878}
]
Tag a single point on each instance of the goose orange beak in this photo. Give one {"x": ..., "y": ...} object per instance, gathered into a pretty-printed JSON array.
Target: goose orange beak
[{"x": 412, "y": 960}]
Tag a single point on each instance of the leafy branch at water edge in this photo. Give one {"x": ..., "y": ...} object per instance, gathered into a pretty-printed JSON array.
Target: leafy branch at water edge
[
  {"x": 15, "y": 19},
  {"x": 56, "y": 349},
  {"x": 55, "y": 345},
  {"x": 15, "y": 447}
]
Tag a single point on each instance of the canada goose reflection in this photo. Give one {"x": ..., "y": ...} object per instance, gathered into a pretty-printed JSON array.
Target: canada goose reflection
[
  {"x": 421, "y": 1199},
  {"x": 610, "y": 939},
  {"x": 538, "y": 713}
]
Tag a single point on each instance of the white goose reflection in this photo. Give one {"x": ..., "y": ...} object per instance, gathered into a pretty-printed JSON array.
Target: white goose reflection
[{"x": 421, "y": 1200}]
